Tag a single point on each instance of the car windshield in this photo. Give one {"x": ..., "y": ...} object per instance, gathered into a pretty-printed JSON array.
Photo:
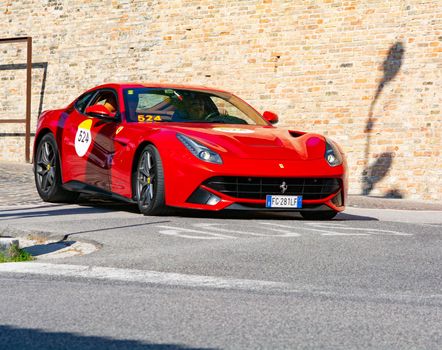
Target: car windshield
[{"x": 187, "y": 106}]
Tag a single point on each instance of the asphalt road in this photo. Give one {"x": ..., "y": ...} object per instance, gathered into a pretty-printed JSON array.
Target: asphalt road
[{"x": 371, "y": 279}]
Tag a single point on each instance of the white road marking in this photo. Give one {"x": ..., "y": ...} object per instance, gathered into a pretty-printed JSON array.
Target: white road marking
[
  {"x": 286, "y": 232},
  {"x": 205, "y": 230},
  {"x": 211, "y": 226},
  {"x": 210, "y": 282},
  {"x": 190, "y": 233},
  {"x": 373, "y": 231},
  {"x": 141, "y": 276},
  {"x": 216, "y": 227},
  {"x": 324, "y": 232}
]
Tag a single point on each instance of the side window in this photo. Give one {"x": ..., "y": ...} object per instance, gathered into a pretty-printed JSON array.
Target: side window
[
  {"x": 83, "y": 101},
  {"x": 108, "y": 99}
]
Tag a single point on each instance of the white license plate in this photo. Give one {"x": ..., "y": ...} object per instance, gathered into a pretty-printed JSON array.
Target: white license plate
[{"x": 283, "y": 201}]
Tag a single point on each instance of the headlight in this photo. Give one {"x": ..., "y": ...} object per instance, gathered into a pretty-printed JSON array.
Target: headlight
[
  {"x": 200, "y": 151},
  {"x": 332, "y": 154}
]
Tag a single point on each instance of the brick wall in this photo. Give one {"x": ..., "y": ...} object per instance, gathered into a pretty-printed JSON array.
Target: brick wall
[{"x": 366, "y": 73}]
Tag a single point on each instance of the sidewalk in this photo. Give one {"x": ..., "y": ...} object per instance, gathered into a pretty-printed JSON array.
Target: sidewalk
[
  {"x": 358, "y": 201},
  {"x": 17, "y": 188},
  {"x": 17, "y": 185}
]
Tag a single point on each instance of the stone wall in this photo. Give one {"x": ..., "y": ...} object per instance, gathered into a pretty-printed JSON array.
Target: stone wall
[{"x": 366, "y": 73}]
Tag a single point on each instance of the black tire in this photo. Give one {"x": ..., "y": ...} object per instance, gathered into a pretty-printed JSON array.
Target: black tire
[
  {"x": 47, "y": 173},
  {"x": 149, "y": 183},
  {"x": 319, "y": 215}
]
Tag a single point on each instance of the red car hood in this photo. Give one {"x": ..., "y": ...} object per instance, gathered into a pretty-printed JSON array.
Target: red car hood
[{"x": 255, "y": 142}]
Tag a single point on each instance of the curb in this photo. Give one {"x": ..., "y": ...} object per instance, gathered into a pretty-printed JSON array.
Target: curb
[
  {"x": 371, "y": 202},
  {"x": 6, "y": 243},
  {"x": 13, "y": 233}
]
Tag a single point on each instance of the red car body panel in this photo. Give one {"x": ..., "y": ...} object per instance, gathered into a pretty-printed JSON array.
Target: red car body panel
[{"x": 108, "y": 164}]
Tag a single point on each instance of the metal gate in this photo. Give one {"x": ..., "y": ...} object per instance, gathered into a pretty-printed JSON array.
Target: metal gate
[{"x": 27, "y": 120}]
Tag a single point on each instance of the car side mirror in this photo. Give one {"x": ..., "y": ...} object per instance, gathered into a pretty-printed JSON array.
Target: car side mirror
[
  {"x": 271, "y": 117},
  {"x": 99, "y": 111}
]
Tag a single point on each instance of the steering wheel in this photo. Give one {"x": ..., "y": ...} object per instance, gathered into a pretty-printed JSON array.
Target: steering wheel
[{"x": 212, "y": 115}]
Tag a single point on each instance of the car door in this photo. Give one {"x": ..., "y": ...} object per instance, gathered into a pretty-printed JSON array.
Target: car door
[{"x": 88, "y": 142}]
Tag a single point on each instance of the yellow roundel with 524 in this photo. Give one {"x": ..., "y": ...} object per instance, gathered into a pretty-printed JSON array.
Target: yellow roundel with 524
[{"x": 83, "y": 137}]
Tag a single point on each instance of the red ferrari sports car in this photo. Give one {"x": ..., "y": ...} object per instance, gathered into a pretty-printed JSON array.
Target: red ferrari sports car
[{"x": 162, "y": 146}]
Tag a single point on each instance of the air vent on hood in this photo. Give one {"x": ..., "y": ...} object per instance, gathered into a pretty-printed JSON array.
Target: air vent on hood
[{"x": 294, "y": 133}]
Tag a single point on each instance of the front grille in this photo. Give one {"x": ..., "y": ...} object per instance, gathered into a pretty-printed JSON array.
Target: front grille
[{"x": 259, "y": 187}]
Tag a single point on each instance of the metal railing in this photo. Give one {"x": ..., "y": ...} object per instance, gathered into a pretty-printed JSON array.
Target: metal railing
[{"x": 27, "y": 120}]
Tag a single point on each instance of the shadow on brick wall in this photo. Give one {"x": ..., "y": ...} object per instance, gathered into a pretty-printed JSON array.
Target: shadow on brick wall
[
  {"x": 40, "y": 65},
  {"x": 376, "y": 171}
]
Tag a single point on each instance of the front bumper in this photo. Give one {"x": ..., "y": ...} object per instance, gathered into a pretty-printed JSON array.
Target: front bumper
[{"x": 184, "y": 175}]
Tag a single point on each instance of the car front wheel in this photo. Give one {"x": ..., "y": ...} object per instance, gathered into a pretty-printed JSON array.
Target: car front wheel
[{"x": 149, "y": 183}]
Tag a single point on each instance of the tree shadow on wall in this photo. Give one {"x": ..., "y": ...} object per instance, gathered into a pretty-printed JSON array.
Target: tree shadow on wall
[
  {"x": 376, "y": 171},
  {"x": 379, "y": 170}
]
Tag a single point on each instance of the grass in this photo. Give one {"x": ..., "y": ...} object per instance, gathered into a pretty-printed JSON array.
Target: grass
[{"x": 15, "y": 254}]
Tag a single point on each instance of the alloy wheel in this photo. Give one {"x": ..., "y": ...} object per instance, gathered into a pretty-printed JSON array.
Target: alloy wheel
[
  {"x": 46, "y": 167},
  {"x": 146, "y": 179}
]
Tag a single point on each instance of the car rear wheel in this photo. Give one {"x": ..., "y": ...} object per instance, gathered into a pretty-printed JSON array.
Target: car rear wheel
[
  {"x": 318, "y": 215},
  {"x": 149, "y": 183},
  {"x": 47, "y": 172}
]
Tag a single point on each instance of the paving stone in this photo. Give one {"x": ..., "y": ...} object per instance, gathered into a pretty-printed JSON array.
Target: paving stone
[{"x": 17, "y": 185}]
